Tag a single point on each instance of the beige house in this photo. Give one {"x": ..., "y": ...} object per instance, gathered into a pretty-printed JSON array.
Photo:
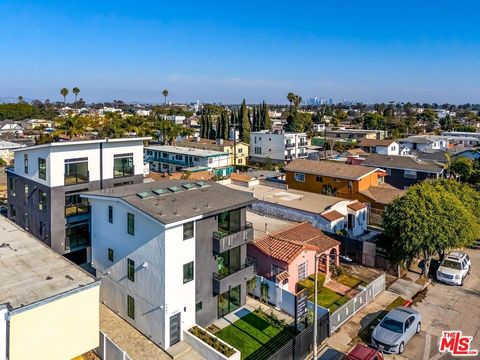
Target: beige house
[
  {"x": 34, "y": 124},
  {"x": 49, "y": 307},
  {"x": 226, "y": 146}
]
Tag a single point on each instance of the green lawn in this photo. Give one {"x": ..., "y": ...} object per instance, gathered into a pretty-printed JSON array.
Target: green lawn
[
  {"x": 349, "y": 280},
  {"x": 255, "y": 336},
  {"x": 330, "y": 299}
]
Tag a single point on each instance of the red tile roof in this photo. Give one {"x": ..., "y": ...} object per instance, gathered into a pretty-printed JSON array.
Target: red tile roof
[
  {"x": 332, "y": 215},
  {"x": 356, "y": 206},
  {"x": 287, "y": 244}
]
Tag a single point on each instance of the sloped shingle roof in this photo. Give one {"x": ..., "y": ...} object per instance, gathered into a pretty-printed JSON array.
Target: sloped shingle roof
[{"x": 403, "y": 162}]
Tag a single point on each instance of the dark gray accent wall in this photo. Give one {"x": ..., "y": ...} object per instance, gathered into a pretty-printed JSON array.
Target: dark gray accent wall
[
  {"x": 53, "y": 218},
  {"x": 206, "y": 266}
]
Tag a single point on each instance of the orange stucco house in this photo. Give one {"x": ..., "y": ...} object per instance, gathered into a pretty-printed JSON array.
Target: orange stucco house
[{"x": 355, "y": 182}]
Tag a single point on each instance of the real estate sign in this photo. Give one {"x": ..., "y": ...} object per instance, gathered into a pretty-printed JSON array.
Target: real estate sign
[{"x": 301, "y": 305}]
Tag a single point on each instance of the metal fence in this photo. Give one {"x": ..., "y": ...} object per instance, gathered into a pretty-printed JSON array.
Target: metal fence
[
  {"x": 108, "y": 350},
  {"x": 344, "y": 313},
  {"x": 301, "y": 345}
]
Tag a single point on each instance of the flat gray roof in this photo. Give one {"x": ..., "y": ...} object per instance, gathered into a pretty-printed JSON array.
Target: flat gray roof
[
  {"x": 184, "y": 151},
  {"x": 170, "y": 201},
  {"x": 295, "y": 199},
  {"x": 31, "y": 271}
]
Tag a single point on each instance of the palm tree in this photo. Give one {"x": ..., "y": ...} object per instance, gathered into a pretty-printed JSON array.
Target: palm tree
[
  {"x": 75, "y": 92},
  {"x": 165, "y": 94},
  {"x": 290, "y": 97},
  {"x": 20, "y": 99},
  {"x": 64, "y": 93},
  {"x": 297, "y": 100}
]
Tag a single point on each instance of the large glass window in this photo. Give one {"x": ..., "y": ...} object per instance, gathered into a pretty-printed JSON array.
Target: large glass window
[
  {"x": 188, "y": 272},
  {"x": 131, "y": 307},
  {"x": 42, "y": 169},
  {"x": 131, "y": 270},
  {"x": 76, "y": 171},
  {"x": 300, "y": 177},
  {"x": 42, "y": 200},
  {"x": 229, "y": 221},
  {"x": 13, "y": 186},
  {"x": 228, "y": 262},
  {"x": 228, "y": 301},
  {"x": 123, "y": 165},
  {"x": 77, "y": 235},
  {"x": 110, "y": 254},
  {"x": 130, "y": 224},
  {"x": 74, "y": 204}
]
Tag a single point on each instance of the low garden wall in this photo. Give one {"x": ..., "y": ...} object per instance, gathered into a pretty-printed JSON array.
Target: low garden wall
[{"x": 207, "y": 351}]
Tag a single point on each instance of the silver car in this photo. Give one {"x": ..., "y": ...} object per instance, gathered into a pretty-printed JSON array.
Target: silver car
[{"x": 396, "y": 329}]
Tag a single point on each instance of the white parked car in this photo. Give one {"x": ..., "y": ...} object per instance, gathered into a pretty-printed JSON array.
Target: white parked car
[{"x": 454, "y": 268}]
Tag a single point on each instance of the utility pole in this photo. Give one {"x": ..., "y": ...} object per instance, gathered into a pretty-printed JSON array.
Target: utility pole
[{"x": 315, "y": 320}]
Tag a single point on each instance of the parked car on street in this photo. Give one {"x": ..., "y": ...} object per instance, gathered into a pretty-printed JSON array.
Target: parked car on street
[
  {"x": 363, "y": 352},
  {"x": 396, "y": 329},
  {"x": 454, "y": 268}
]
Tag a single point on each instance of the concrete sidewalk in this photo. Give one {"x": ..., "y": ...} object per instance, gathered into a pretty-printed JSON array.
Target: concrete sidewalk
[{"x": 348, "y": 331}]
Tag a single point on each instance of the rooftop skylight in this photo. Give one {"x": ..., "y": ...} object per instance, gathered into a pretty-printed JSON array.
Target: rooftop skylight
[{"x": 144, "y": 194}]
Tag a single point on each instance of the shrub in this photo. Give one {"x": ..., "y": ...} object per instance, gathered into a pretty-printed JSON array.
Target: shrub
[{"x": 212, "y": 341}]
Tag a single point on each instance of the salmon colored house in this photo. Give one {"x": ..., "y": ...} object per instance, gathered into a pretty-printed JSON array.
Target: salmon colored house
[{"x": 288, "y": 256}]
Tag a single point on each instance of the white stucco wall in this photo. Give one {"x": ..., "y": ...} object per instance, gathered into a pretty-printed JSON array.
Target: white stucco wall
[
  {"x": 56, "y": 155},
  {"x": 273, "y": 145},
  {"x": 158, "y": 289}
]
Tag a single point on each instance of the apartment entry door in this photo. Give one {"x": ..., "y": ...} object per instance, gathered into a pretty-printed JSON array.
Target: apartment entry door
[{"x": 175, "y": 329}]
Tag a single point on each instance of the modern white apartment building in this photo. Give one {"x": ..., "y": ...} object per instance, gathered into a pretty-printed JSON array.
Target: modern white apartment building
[
  {"x": 424, "y": 142},
  {"x": 171, "y": 254},
  {"x": 278, "y": 146},
  {"x": 167, "y": 158},
  {"x": 45, "y": 183}
]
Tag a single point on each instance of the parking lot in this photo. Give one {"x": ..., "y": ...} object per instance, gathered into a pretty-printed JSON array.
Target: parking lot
[{"x": 444, "y": 307}]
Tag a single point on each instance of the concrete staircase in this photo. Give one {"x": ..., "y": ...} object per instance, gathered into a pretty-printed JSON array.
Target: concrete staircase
[{"x": 183, "y": 351}]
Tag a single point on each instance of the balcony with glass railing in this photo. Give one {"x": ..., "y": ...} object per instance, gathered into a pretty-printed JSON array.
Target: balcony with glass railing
[{"x": 224, "y": 240}]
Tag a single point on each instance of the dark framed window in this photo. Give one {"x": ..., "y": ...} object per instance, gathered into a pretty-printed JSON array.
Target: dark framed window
[
  {"x": 230, "y": 221},
  {"x": 25, "y": 163},
  {"x": 130, "y": 224},
  {"x": 110, "y": 254},
  {"x": 319, "y": 179},
  {"x": 42, "y": 169},
  {"x": 13, "y": 213},
  {"x": 26, "y": 192},
  {"x": 40, "y": 227},
  {"x": 188, "y": 230},
  {"x": 13, "y": 186},
  {"x": 110, "y": 214},
  {"x": 187, "y": 272},
  {"x": 131, "y": 270},
  {"x": 75, "y": 204},
  {"x": 42, "y": 200},
  {"x": 76, "y": 171},
  {"x": 123, "y": 165},
  {"x": 198, "y": 306},
  {"x": 131, "y": 307}
]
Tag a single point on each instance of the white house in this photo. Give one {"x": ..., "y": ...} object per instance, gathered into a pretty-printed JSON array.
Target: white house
[
  {"x": 424, "y": 142},
  {"x": 278, "y": 146},
  {"x": 171, "y": 254},
  {"x": 167, "y": 158},
  {"x": 6, "y": 150},
  {"x": 385, "y": 147},
  {"x": 10, "y": 127},
  {"x": 45, "y": 184}
]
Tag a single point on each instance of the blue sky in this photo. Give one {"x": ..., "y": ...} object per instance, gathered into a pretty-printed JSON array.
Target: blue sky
[{"x": 425, "y": 51}]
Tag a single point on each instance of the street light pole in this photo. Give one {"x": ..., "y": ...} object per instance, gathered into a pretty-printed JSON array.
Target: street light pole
[{"x": 315, "y": 320}]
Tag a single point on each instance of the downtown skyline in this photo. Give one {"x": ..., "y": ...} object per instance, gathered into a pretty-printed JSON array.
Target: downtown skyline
[{"x": 371, "y": 52}]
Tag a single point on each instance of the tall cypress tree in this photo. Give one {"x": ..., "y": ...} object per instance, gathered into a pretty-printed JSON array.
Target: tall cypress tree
[
  {"x": 246, "y": 126},
  {"x": 267, "y": 125}
]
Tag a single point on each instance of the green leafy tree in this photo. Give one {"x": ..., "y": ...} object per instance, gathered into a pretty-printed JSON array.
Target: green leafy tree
[
  {"x": 462, "y": 167},
  {"x": 373, "y": 121},
  {"x": 432, "y": 217},
  {"x": 72, "y": 125},
  {"x": 64, "y": 93}
]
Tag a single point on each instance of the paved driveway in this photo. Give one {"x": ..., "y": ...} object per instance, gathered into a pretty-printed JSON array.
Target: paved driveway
[{"x": 445, "y": 307}]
